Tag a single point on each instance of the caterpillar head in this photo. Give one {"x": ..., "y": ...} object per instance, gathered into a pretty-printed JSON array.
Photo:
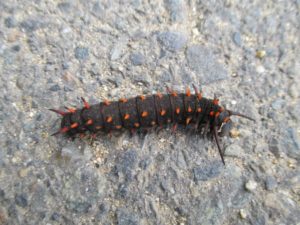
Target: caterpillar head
[{"x": 224, "y": 123}]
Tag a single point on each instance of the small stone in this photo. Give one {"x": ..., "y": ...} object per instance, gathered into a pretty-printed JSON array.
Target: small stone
[
  {"x": 234, "y": 133},
  {"x": 55, "y": 216},
  {"x": 142, "y": 79},
  {"x": 172, "y": 41},
  {"x": 103, "y": 208},
  {"x": 278, "y": 104},
  {"x": 237, "y": 38},
  {"x": 126, "y": 218},
  {"x": 23, "y": 172},
  {"x": 260, "y": 69},
  {"x": 195, "y": 31},
  {"x": 251, "y": 185},
  {"x": 274, "y": 147},
  {"x": 123, "y": 190},
  {"x": 243, "y": 214},
  {"x": 21, "y": 200},
  {"x": 80, "y": 207},
  {"x": 260, "y": 54},
  {"x": 116, "y": 52},
  {"x": 55, "y": 88},
  {"x": 10, "y": 22},
  {"x": 81, "y": 53},
  {"x": 270, "y": 183},
  {"x": 65, "y": 65},
  {"x": 16, "y": 48},
  {"x": 144, "y": 164},
  {"x": 137, "y": 59},
  {"x": 30, "y": 25},
  {"x": 293, "y": 91}
]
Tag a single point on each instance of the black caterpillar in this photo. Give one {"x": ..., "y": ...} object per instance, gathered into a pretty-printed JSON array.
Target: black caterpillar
[{"x": 153, "y": 110}]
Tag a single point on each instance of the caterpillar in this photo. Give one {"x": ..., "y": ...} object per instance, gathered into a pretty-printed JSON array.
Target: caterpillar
[{"x": 204, "y": 115}]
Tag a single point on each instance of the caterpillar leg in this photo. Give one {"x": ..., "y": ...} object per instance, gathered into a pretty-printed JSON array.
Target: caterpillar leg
[{"x": 215, "y": 133}]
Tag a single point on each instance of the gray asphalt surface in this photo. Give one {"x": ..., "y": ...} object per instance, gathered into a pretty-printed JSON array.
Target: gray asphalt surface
[{"x": 54, "y": 52}]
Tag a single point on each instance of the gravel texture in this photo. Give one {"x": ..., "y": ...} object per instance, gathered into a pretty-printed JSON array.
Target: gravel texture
[{"x": 54, "y": 52}]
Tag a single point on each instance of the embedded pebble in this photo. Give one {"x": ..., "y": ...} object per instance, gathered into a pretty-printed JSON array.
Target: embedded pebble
[
  {"x": 21, "y": 200},
  {"x": 270, "y": 183},
  {"x": 81, "y": 53},
  {"x": 206, "y": 172},
  {"x": 251, "y": 185},
  {"x": 278, "y": 104},
  {"x": 30, "y": 25},
  {"x": 234, "y": 133},
  {"x": 10, "y": 22},
  {"x": 137, "y": 59},
  {"x": 293, "y": 91},
  {"x": 243, "y": 213},
  {"x": 260, "y": 69},
  {"x": 260, "y": 54},
  {"x": 237, "y": 38},
  {"x": 172, "y": 41}
]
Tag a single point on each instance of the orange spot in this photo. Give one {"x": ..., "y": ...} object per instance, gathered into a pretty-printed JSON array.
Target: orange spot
[
  {"x": 136, "y": 124},
  {"x": 126, "y": 116},
  {"x": 189, "y": 109},
  {"x": 216, "y": 101},
  {"x": 64, "y": 129},
  {"x": 217, "y": 114},
  {"x": 188, "y": 92},
  {"x": 142, "y": 97},
  {"x": 174, "y": 94},
  {"x": 188, "y": 120},
  {"x": 118, "y": 127},
  {"x": 153, "y": 123},
  {"x": 123, "y": 100},
  {"x": 211, "y": 113},
  {"x": 199, "y": 110},
  {"x": 71, "y": 110},
  {"x": 89, "y": 122},
  {"x": 144, "y": 114},
  {"x": 159, "y": 95},
  {"x": 199, "y": 96},
  {"x": 163, "y": 112},
  {"x": 177, "y": 110},
  {"x": 98, "y": 127},
  {"x": 106, "y": 102},
  {"x": 226, "y": 119},
  {"x": 74, "y": 125},
  {"x": 109, "y": 119}
]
